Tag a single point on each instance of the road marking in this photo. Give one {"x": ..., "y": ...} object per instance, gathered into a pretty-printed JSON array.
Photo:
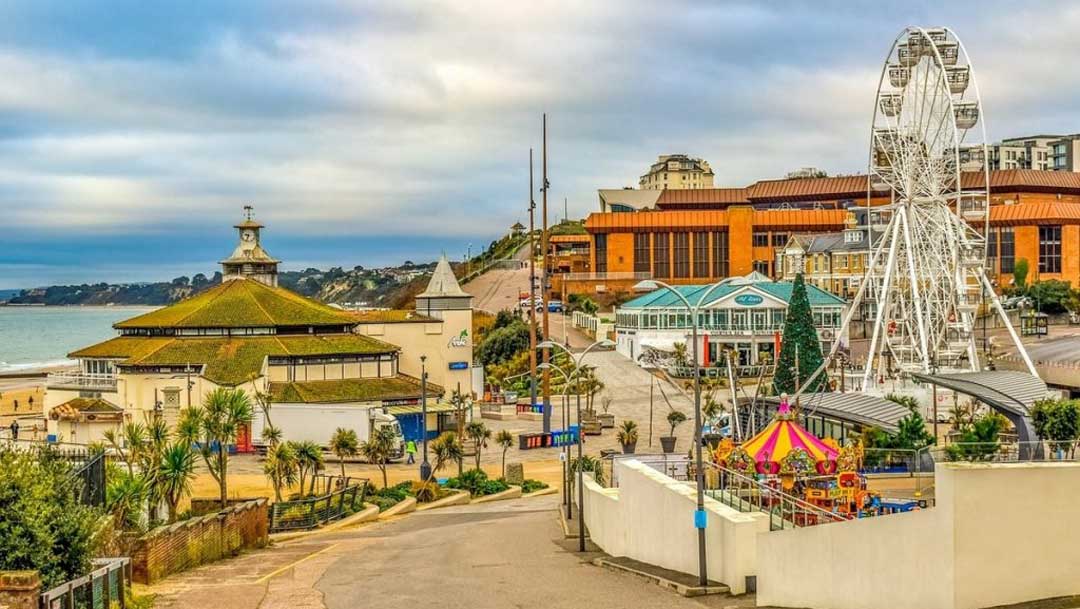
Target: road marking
[{"x": 293, "y": 564}]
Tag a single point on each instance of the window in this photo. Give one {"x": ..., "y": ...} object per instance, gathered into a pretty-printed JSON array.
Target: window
[
  {"x": 1049, "y": 249},
  {"x": 760, "y": 240},
  {"x": 682, "y": 254},
  {"x": 779, "y": 239},
  {"x": 661, "y": 259},
  {"x": 701, "y": 254},
  {"x": 601, "y": 252},
  {"x": 992, "y": 251},
  {"x": 642, "y": 259},
  {"x": 1007, "y": 248},
  {"x": 719, "y": 254},
  {"x": 761, "y": 266}
]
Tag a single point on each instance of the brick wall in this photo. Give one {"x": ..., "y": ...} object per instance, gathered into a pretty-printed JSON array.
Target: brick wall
[{"x": 173, "y": 548}]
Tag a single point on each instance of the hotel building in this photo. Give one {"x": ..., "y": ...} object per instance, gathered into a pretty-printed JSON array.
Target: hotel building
[
  {"x": 701, "y": 236},
  {"x": 677, "y": 172},
  {"x": 249, "y": 333}
]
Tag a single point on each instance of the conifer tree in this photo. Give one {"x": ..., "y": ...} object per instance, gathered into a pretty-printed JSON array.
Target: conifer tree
[{"x": 798, "y": 330}]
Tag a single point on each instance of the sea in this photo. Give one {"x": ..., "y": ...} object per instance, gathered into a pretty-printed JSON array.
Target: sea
[{"x": 41, "y": 337}]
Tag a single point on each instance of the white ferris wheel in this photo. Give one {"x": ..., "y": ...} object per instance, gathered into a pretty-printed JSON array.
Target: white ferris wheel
[{"x": 926, "y": 279}]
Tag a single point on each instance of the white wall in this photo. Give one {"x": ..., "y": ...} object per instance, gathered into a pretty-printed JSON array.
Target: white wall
[
  {"x": 650, "y": 518},
  {"x": 1000, "y": 534}
]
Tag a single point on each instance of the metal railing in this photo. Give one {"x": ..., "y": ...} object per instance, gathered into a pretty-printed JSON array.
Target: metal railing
[
  {"x": 1004, "y": 452},
  {"x": 606, "y": 276},
  {"x": 81, "y": 380},
  {"x": 311, "y": 512},
  {"x": 102, "y": 588},
  {"x": 747, "y": 494}
]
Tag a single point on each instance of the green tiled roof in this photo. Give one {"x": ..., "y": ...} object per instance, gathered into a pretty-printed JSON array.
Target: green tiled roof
[
  {"x": 399, "y": 387},
  {"x": 663, "y": 298},
  {"x": 230, "y": 360},
  {"x": 241, "y": 303}
]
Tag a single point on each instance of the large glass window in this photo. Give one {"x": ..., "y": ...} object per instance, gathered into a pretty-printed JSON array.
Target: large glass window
[
  {"x": 701, "y": 254},
  {"x": 1049, "y": 249},
  {"x": 1007, "y": 246},
  {"x": 779, "y": 239},
  {"x": 661, "y": 253},
  {"x": 682, "y": 254},
  {"x": 642, "y": 259},
  {"x": 761, "y": 266},
  {"x": 760, "y": 240},
  {"x": 601, "y": 252},
  {"x": 720, "y": 254},
  {"x": 992, "y": 251}
]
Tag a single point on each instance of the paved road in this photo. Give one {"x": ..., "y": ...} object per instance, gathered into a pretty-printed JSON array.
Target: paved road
[{"x": 505, "y": 554}]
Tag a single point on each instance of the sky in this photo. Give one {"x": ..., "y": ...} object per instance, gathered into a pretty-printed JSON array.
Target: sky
[{"x": 132, "y": 132}]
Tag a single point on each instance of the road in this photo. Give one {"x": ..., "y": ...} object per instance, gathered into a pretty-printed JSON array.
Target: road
[{"x": 498, "y": 555}]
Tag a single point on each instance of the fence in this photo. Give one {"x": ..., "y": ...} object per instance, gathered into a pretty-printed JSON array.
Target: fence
[
  {"x": 87, "y": 467},
  {"x": 314, "y": 511},
  {"x": 102, "y": 588},
  {"x": 1004, "y": 452}
]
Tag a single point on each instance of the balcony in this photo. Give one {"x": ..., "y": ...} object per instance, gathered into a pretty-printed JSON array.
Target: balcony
[{"x": 81, "y": 381}]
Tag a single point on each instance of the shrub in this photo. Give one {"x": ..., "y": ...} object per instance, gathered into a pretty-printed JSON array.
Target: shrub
[
  {"x": 425, "y": 492},
  {"x": 478, "y": 484},
  {"x": 531, "y": 486}
]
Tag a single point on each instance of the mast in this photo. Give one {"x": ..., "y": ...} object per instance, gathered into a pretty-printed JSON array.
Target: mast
[{"x": 544, "y": 275}]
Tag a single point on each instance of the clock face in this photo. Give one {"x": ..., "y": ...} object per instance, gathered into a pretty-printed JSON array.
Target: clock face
[{"x": 247, "y": 236}]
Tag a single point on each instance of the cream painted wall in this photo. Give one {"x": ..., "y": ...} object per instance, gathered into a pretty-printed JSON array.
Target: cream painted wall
[
  {"x": 1000, "y": 534},
  {"x": 434, "y": 341},
  {"x": 650, "y": 518}
]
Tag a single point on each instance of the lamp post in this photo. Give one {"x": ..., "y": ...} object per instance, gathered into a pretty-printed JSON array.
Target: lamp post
[
  {"x": 578, "y": 361},
  {"x": 425, "y": 467},
  {"x": 694, "y": 310}
]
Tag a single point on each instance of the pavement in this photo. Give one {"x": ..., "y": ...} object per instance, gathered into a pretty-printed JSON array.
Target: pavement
[{"x": 498, "y": 555}]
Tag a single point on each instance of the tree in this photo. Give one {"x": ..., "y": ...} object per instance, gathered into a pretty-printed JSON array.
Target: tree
[
  {"x": 675, "y": 418},
  {"x": 308, "y": 458},
  {"x": 503, "y": 343},
  {"x": 1057, "y": 422},
  {"x": 446, "y": 449},
  {"x": 799, "y": 336},
  {"x": 43, "y": 525},
  {"x": 213, "y": 427},
  {"x": 504, "y": 439},
  {"x": 175, "y": 474},
  {"x": 344, "y": 443},
  {"x": 978, "y": 442},
  {"x": 280, "y": 467},
  {"x": 1052, "y": 295},
  {"x": 378, "y": 449},
  {"x": 129, "y": 445},
  {"x": 479, "y": 433},
  {"x": 1020, "y": 273}
]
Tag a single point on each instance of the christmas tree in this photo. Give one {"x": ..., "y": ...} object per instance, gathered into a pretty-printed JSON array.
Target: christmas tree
[{"x": 800, "y": 336}]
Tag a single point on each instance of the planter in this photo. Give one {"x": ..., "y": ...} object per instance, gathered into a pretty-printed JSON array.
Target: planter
[
  {"x": 668, "y": 443},
  {"x": 607, "y": 420},
  {"x": 713, "y": 440},
  {"x": 628, "y": 449}
]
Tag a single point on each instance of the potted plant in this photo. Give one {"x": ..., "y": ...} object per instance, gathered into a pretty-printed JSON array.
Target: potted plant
[
  {"x": 607, "y": 420},
  {"x": 628, "y": 436},
  {"x": 674, "y": 419}
]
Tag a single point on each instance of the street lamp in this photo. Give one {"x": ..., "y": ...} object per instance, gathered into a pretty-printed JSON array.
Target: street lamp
[
  {"x": 425, "y": 467},
  {"x": 578, "y": 361},
  {"x": 694, "y": 310}
]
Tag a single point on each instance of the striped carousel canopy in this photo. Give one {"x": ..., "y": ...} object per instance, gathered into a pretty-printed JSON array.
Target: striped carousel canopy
[{"x": 782, "y": 437}]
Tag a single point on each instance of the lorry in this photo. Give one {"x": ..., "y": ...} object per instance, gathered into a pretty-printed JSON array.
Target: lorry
[{"x": 318, "y": 422}]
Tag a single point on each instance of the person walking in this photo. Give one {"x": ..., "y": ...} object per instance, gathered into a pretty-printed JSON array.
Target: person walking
[
  {"x": 410, "y": 452},
  {"x": 14, "y": 430}
]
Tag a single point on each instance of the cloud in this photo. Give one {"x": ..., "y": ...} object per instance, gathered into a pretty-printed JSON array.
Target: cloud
[{"x": 377, "y": 123}]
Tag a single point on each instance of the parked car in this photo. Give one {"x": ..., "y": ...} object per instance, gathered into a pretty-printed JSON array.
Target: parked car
[
  {"x": 527, "y": 302},
  {"x": 555, "y": 306}
]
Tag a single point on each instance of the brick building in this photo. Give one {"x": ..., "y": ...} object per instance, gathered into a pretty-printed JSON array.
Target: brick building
[{"x": 704, "y": 235}]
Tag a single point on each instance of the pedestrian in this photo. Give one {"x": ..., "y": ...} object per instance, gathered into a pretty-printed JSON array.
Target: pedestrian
[
  {"x": 16, "y": 405},
  {"x": 410, "y": 451},
  {"x": 14, "y": 430}
]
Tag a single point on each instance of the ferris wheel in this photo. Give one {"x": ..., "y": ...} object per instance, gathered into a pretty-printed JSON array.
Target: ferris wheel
[{"x": 926, "y": 278}]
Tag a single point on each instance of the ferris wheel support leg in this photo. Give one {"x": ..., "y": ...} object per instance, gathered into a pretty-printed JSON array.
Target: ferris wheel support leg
[
  {"x": 882, "y": 299},
  {"x": 1005, "y": 319},
  {"x": 855, "y": 303},
  {"x": 915, "y": 290}
]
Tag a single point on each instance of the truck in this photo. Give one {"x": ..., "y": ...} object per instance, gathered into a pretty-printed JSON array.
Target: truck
[{"x": 318, "y": 422}]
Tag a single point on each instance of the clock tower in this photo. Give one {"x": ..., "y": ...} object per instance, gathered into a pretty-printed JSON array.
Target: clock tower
[{"x": 249, "y": 260}]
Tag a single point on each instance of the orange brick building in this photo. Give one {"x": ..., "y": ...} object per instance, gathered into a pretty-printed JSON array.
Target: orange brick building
[{"x": 702, "y": 236}]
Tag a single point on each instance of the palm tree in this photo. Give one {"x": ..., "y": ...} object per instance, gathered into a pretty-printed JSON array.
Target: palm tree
[
  {"x": 129, "y": 445},
  {"x": 378, "y": 449},
  {"x": 280, "y": 467},
  {"x": 504, "y": 439},
  {"x": 308, "y": 457},
  {"x": 479, "y": 433},
  {"x": 272, "y": 435},
  {"x": 446, "y": 449},
  {"x": 213, "y": 427},
  {"x": 124, "y": 497},
  {"x": 344, "y": 443},
  {"x": 175, "y": 474}
]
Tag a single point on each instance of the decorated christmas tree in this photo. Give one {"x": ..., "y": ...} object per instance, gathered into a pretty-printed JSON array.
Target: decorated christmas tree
[{"x": 798, "y": 332}]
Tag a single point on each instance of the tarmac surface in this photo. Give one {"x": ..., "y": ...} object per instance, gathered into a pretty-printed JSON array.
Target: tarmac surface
[{"x": 497, "y": 555}]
